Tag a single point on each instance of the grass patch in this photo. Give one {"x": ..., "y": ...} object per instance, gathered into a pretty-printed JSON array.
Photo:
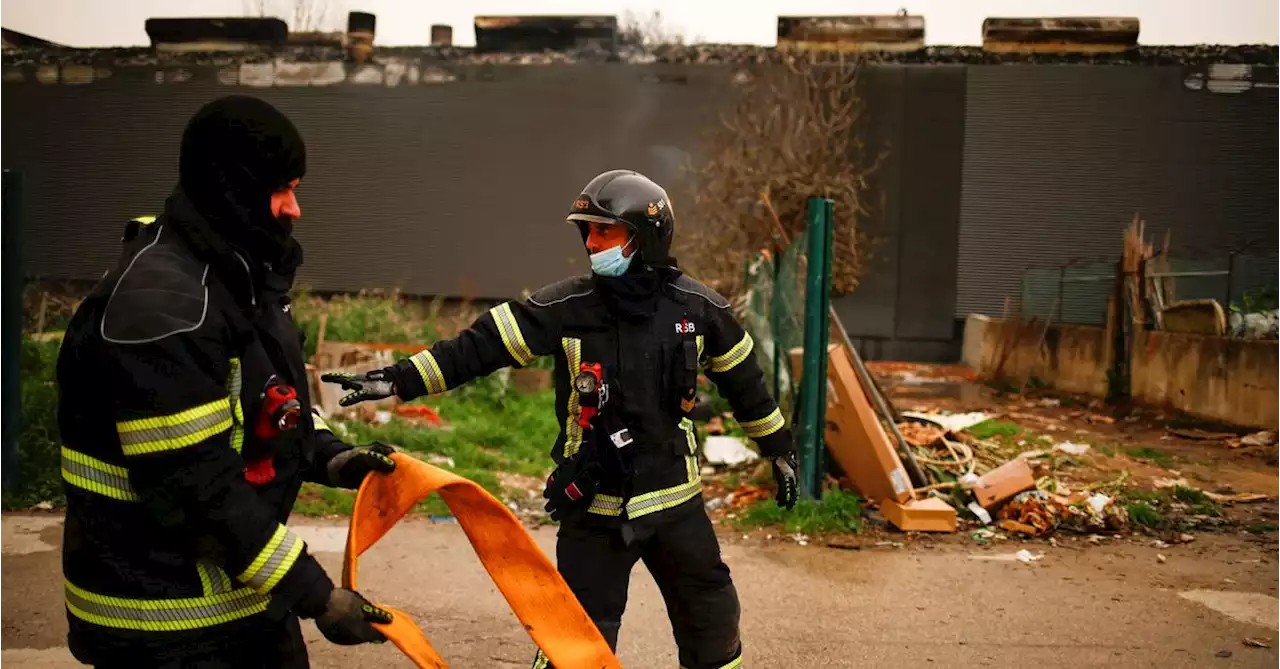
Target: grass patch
[
  {"x": 839, "y": 511},
  {"x": 39, "y": 475},
  {"x": 1143, "y": 514},
  {"x": 489, "y": 432},
  {"x": 1263, "y": 528},
  {"x": 991, "y": 428},
  {"x": 1151, "y": 455}
]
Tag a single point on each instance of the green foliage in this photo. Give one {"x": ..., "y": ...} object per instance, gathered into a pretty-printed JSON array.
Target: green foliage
[
  {"x": 1151, "y": 455},
  {"x": 1145, "y": 515},
  {"x": 487, "y": 432},
  {"x": 838, "y": 511},
  {"x": 994, "y": 428},
  {"x": 378, "y": 317},
  {"x": 39, "y": 476},
  {"x": 1258, "y": 299}
]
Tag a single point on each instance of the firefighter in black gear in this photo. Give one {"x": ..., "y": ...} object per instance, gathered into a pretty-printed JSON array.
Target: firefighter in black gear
[
  {"x": 188, "y": 429},
  {"x": 629, "y": 341}
]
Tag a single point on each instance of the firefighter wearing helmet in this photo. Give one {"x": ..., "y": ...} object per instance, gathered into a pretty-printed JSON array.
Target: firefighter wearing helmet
[{"x": 629, "y": 341}]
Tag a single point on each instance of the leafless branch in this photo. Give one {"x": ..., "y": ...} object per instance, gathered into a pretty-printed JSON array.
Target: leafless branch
[{"x": 794, "y": 132}]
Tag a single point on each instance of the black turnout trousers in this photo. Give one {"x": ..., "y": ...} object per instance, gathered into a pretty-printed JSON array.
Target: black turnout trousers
[{"x": 683, "y": 555}]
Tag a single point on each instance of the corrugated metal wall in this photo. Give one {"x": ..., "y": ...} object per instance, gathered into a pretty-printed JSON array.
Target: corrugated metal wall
[
  {"x": 1059, "y": 158},
  {"x": 454, "y": 189},
  {"x": 904, "y": 304}
]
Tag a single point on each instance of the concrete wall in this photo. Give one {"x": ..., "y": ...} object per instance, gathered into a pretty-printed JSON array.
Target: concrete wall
[{"x": 1217, "y": 378}]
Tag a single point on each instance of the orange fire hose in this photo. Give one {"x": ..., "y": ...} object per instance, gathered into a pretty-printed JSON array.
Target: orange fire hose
[{"x": 538, "y": 595}]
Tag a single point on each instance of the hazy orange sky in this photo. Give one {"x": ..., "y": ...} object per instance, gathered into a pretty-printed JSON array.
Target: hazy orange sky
[{"x": 407, "y": 22}]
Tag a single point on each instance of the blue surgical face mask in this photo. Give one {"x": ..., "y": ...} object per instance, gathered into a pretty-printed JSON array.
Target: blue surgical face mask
[{"x": 611, "y": 262}]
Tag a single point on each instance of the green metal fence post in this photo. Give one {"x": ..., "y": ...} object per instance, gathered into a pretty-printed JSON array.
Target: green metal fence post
[
  {"x": 813, "y": 414},
  {"x": 11, "y": 339}
]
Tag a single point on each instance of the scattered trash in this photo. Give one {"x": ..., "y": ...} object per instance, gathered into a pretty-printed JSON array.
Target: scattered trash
[
  {"x": 1072, "y": 448},
  {"x": 1032, "y": 513},
  {"x": 1024, "y": 556},
  {"x": 381, "y": 417},
  {"x": 1160, "y": 558},
  {"x": 724, "y": 450},
  {"x": 980, "y": 512},
  {"x": 1004, "y": 482},
  {"x": 801, "y": 539},
  {"x": 1027, "y": 557},
  {"x": 1261, "y": 642},
  {"x": 950, "y": 422},
  {"x": 1050, "y": 403},
  {"x": 713, "y": 504},
  {"x": 45, "y": 506},
  {"x": 1184, "y": 538},
  {"x": 441, "y": 460},
  {"x": 1170, "y": 483},
  {"x": 1097, "y": 418},
  {"x": 968, "y": 481},
  {"x": 1264, "y": 438},
  {"x": 418, "y": 412},
  {"x": 983, "y": 536},
  {"x": 1159, "y": 544}
]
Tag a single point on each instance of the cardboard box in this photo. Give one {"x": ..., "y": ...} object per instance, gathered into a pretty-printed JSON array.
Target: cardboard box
[
  {"x": 1002, "y": 483},
  {"x": 920, "y": 515},
  {"x": 855, "y": 436}
]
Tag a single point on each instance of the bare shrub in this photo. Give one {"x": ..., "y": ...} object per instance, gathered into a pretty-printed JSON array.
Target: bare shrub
[
  {"x": 648, "y": 30},
  {"x": 794, "y": 132}
]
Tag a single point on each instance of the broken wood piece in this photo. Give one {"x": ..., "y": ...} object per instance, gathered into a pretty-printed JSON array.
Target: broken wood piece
[
  {"x": 1239, "y": 498},
  {"x": 1199, "y": 435},
  {"x": 1003, "y": 482}
]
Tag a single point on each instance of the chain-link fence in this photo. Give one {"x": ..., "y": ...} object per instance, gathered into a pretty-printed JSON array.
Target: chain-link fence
[
  {"x": 772, "y": 310},
  {"x": 1077, "y": 292}
]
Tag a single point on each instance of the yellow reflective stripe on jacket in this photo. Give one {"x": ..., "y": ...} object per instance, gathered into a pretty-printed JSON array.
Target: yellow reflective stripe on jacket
[
  {"x": 146, "y": 220},
  {"x": 650, "y": 502},
  {"x": 430, "y": 372},
  {"x": 572, "y": 431},
  {"x": 179, "y": 430},
  {"x": 764, "y": 426},
  {"x": 658, "y": 500},
  {"x": 735, "y": 355},
  {"x": 234, "y": 384},
  {"x": 273, "y": 561},
  {"x": 213, "y": 580},
  {"x": 540, "y": 661},
  {"x": 318, "y": 421},
  {"x": 163, "y": 615},
  {"x": 511, "y": 335},
  {"x": 97, "y": 476}
]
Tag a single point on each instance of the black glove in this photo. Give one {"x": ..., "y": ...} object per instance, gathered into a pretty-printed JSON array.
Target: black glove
[
  {"x": 372, "y": 385},
  {"x": 569, "y": 488},
  {"x": 346, "y": 619},
  {"x": 348, "y": 468},
  {"x": 784, "y": 474}
]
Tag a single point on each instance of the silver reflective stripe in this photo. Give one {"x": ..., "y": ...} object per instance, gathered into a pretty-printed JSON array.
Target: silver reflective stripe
[
  {"x": 234, "y": 385},
  {"x": 662, "y": 499},
  {"x": 275, "y": 559},
  {"x": 572, "y": 431},
  {"x": 163, "y": 615},
  {"x": 512, "y": 338},
  {"x": 148, "y": 435},
  {"x": 430, "y": 372},
  {"x": 212, "y": 578},
  {"x": 96, "y": 476}
]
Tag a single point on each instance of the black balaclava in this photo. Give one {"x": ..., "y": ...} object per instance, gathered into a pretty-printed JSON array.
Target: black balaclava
[{"x": 237, "y": 151}]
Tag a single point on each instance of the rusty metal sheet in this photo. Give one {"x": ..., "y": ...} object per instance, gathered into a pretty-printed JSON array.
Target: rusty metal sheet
[
  {"x": 894, "y": 32},
  {"x": 1062, "y": 34}
]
